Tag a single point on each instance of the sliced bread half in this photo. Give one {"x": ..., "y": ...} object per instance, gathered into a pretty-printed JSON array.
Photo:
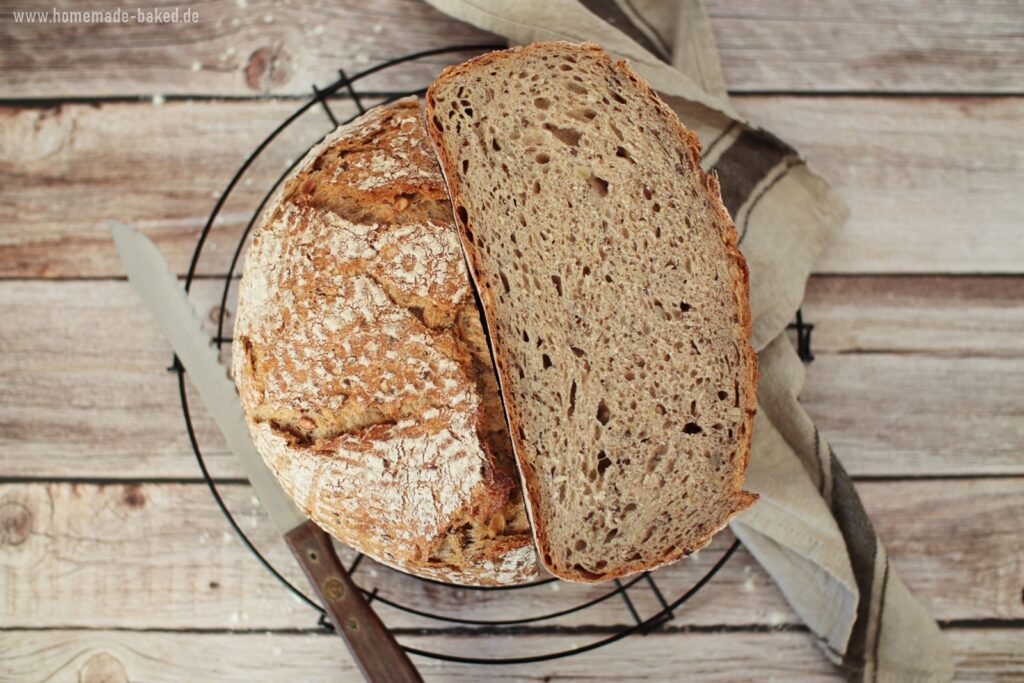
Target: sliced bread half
[{"x": 616, "y": 300}]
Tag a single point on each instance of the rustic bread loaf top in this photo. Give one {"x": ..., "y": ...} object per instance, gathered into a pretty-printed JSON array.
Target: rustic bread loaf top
[
  {"x": 361, "y": 363},
  {"x": 616, "y": 300}
]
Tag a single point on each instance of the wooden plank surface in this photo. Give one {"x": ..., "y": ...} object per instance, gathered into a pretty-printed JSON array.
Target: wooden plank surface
[
  {"x": 91, "y": 555},
  {"x": 939, "y": 316},
  {"x": 916, "y": 172},
  {"x": 931, "y": 182},
  {"x": 80, "y": 656},
  {"x": 266, "y": 46},
  {"x": 88, "y": 395},
  {"x": 116, "y": 565}
]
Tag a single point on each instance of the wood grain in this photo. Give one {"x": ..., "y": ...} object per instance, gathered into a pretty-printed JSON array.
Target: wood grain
[
  {"x": 929, "y": 181},
  {"x": 254, "y": 48},
  {"x": 68, "y": 656},
  {"x": 941, "y": 316},
  {"x": 869, "y": 45},
  {"x": 917, "y": 173},
  {"x": 87, "y": 394},
  {"x": 88, "y": 556},
  {"x": 267, "y": 46},
  {"x": 72, "y": 657}
]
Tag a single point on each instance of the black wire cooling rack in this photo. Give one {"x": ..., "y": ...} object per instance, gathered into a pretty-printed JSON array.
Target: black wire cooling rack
[{"x": 565, "y": 600}]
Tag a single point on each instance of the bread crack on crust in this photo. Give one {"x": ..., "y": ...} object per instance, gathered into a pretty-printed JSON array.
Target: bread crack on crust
[{"x": 359, "y": 362}]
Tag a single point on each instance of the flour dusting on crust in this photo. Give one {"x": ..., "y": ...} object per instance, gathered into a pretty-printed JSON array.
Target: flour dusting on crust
[{"x": 359, "y": 361}]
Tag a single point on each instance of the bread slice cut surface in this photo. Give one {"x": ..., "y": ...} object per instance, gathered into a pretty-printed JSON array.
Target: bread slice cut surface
[{"x": 616, "y": 301}]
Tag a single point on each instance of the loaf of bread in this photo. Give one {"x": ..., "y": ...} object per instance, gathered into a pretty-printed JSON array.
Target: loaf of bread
[
  {"x": 616, "y": 302},
  {"x": 362, "y": 366}
]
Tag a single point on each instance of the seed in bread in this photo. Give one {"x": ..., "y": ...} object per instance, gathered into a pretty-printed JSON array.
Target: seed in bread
[{"x": 616, "y": 300}]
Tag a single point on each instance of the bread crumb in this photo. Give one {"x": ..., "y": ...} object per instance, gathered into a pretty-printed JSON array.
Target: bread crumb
[
  {"x": 775, "y": 618},
  {"x": 158, "y": 100},
  {"x": 319, "y": 30},
  {"x": 556, "y": 586},
  {"x": 242, "y": 3},
  {"x": 227, "y": 537},
  {"x": 749, "y": 585},
  {"x": 197, "y": 66},
  {"x": 377, "y": 28},
  {"x": 268, "y": 18}
]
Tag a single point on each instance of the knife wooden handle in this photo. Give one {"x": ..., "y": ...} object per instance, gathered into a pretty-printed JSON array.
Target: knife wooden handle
[{"x": 373, "y": 647}]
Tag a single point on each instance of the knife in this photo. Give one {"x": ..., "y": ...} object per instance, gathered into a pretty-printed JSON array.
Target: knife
[{"x": 374, "y": 649}]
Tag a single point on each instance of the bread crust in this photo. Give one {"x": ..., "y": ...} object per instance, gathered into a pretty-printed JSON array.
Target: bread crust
[
  {"x": 356, "y": 361},
  {"x": 741, "y": 499}
]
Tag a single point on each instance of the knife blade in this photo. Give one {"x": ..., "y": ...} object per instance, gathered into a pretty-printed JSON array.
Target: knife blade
[{"x": 373, "y": 647}]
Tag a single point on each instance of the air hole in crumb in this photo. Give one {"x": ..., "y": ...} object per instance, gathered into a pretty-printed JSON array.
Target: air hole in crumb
[
  {"x": 599, "y": 184},
  {"x": 581, "y": 545},
  {"x": 692, "y": 428},
  {"x": 584, "y": 114},
  {"x": 504, "y": 282},
  {"x": 656, "y": 207},
  {"x": 465, "y": 166},
  {"x": 567, "y": 136},
  {"x": 542, "y": 158},
  {"x": 647, "y": 193},
  {"x": 624, "y": 153},
  {"x": 463, "y": 214},
  {"x": 536, "y": 187},
  {"x": 684, "y": 307},
  {"x": 722, "y": 395},
  {"x": 617, "y": 97},
  {"x": 586, "y": 270},
  {"x": 565, "y": 67},
  {"x": 546, "y": 361},
  {"x": 603, "y": 462},
  {"x": 660, "y": 409},
  {"x": 603, "y": 414},
  {"x": 558, "y": 284},
  {"x": 576, "y": 88},
  {"x": 495, "y": 145},
  {"x": 542, "y": 103},
  {"x": 611, "y": 535},
  {"x": 526, "y": 337},
  {"x": 572, "y": 399},
  {"x": 629, "y": 376},
  {"x": 577, "y": 352}
]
